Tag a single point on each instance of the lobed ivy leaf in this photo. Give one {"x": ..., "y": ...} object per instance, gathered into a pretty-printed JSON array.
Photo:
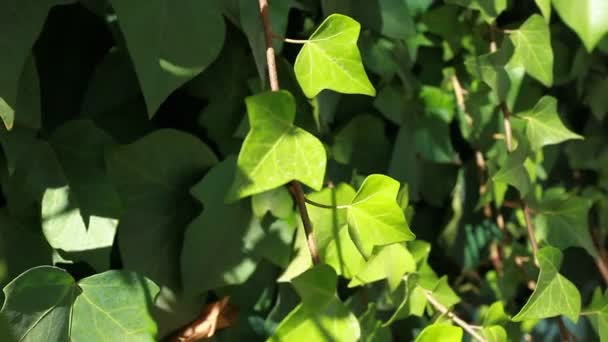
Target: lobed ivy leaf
[
  {"x": 153, "y": 176},
  {"x": 545, "y": 8},
  {"x": 221, "y": 229},
  {"x": 169, "y": 42},
  {"x": 330, "y": 59},
  {"x": 46, "y": 304},
  {"x": 276, "y": 201},
  {"x": 597, "y": 313},
  {"x": 372, "y": 330},
  {"x": 543, "y": 125},
  {"x": 495, "y": 333},
  {"x": 275, "y": 151},
  {"x": 374, "y": 216},
  {"x": 514, "y": 172},
  {"x": 21, "y": 22},
  {"x": 440, "y": 332},
  {"x": 389, "y": 262},
  {"x": 588, "y": 18},
  {"x": 562, "y": 221},
  {"x": 554, "y": 294},
  {"x": 321, "y": 316},
  {"x": 532, "y": 43}
]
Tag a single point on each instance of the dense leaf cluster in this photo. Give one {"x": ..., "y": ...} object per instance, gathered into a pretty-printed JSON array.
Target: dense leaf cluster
[{"x": 453, "y": 155}]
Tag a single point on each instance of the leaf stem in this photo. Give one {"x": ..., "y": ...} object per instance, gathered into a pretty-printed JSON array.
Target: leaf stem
[
  {"x": 459, "y": 321},
  {"x": 289, "y": 40},
  {"x": 325, "y": 206},
  {"x": 294, "y": 187}
]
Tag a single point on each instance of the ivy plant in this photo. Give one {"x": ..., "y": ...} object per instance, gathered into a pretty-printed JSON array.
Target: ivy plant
[{"x": 303, "y": 170}]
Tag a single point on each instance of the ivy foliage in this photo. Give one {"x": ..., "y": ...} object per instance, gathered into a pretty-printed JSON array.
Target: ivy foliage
[{"x": 401, "y": 170}]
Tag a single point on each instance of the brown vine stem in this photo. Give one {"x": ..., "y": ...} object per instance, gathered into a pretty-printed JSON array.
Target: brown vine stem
[
  {"x": 294, "y": 187},
  {"x": 459, "y": 321},
  {"x": 602, "y": 256}
]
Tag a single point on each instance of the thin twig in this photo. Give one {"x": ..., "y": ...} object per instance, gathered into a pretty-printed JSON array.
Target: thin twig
[
  {"x": 602, "y": 256},
  {"x": 289, "y": 40},
  {"x": 566, "y": 336},
  {"x": 530, "y": 227},
  {"x": 507, "y": 125},
  {"x": 298, "y": 195},
  {"x": 459, "y": 321},
  {"x": 294, "y": 187},
  {"x": 325, "y": 206}
]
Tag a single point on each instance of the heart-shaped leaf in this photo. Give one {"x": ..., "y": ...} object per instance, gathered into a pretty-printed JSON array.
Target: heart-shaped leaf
[
  {"x": 532, "y": 43},
  {"x": 330, "y": 59},
  {"x": 275, "y": 151},
  {"x": 554, "y": 294},
  {"x": 588, "y": 18}
]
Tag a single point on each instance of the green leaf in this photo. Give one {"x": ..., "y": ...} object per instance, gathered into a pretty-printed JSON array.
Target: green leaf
[
  {"x": 545, "y": 8},
  {"x": 38, "y": 304},
  {"x": 554, "y": 294},
  {"x": 532, "y": 43},
  {"x": 321, "y": 316},
  {"x": 21, "y": 22},
  {"x": 389, "y": 262},
  {"x": 444, "y": 294},
  {"x": 46, "y": 304},
  {"x": 153, "y": 176},
  {"x": 277, "y": 201},
  {"x": 372, "y": 329},
  {"x": 561, "y": 220},
  {"x": 597, "y": 313},
  {"x": 221, "y": 229},
  {"x": 169, "y": 42},
  {"x": 588, "y": 18},
  {"x": 513, "y": 172},
  {"x": 596, "y": 98},
  {"x": 543, "y": 125},
  {"x": 330, "y": 59},
  {"x": 440, "y": 332},
  {"x": 275, "y": 151},
  {"x": 114, "y": 306},
  {"x": 495, "y": 333},
  {"x": 374, "y": 216}
]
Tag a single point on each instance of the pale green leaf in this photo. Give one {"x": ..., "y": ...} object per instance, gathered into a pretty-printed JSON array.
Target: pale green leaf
[
  {"x": 321, "y": 316},
  {"x": 221, "y": 229},
  {"x": 374, "y": 216},
  {"x": 440, "y": 332},
  {"x": 513, "y": 172},
  {"x": 153, "y": 176},
  {"x": 38, "y": 304},
  {"x": 275, "y": 151},
  {"x": 545, "y": 8},
  {"x": 495, "y": 333},
  {"x": 276, "y": 201},
  {"x": 554, "y": 294},
  {"x": 389, "y": 262},
  {"x": 543, "y": 125},
  {"x": 330, "y": 59},
  {"x": 444, "y": 294},
  {"x": 588, "y": 18},
  {"x": 169, "y": 42},
  {"x": 597, "y": 313},
  {"x": 532, "y": 43}
]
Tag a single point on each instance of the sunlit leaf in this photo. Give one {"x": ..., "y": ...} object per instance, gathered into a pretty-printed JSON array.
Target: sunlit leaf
[{"x": 588, "y": 18}]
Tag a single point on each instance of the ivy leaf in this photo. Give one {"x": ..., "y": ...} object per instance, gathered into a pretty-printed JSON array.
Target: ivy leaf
[
  {"x": 554, "y": 294},
  {"x": 330, "y": 59},
  {"x": 490, "y": 9},
  {"x": 221, "y": 229},
  {"x": 374, "y": 216},
  {"x": 543, "y": 125},
  {"x": 390, "y": 262},
  {"x": 597, "y": 312},
  {"x": 277, "y": 201},
  {"x": 588, "y": 18},
  {"x": 514, "y": 172},
  {"x": 38, "y": 304},
  {"x": 440, "y": 332},
  {"x": 372, "y": 330},
  {"x": 562, "y": 221},
  {"x": 170, "y": 42},
  {"x": 153, "y": 176},
  {"x": 45, "y": 304},
  {"x": 532, "y": 43},
  {"x": 21, "y": 22},
  {"x": 545, "y": 8},
  {"x": 321, "y": 316},
  {"x": 495, "y": 333},
  {"x": 114, "y": 306},
  {"x": 275, "y": 151}
]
